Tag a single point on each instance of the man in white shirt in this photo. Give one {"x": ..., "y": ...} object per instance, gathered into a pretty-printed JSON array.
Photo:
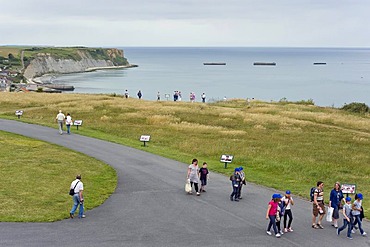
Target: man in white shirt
[
  {"x": 78, "y": 199},
  {"x": 60, "y": 119}
]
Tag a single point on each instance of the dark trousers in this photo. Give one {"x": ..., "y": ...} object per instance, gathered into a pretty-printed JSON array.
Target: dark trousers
[
  {"x": 239, "y": 191},
  {"x": 195, "y": 186},
  {"x": 359, "y": 222},
  {"x": 272, "y": 223},
  {"x": 287, "y": 213},
  {"x": 235, "y": 192},
  {"x": 345, "y": 223}
]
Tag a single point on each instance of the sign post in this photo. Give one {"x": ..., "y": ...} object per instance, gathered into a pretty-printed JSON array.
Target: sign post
[
  {"x": 226, "y": 158},
  {"x": 77, "y": 123},
  {"x": 19, "y": 113},
  {"x": 348, "y": 188},
  {"x": 145, "y": 138}
]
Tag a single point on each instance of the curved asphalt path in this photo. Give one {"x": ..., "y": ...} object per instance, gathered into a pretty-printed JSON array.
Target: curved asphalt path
[{"x": 150, "y": 207}]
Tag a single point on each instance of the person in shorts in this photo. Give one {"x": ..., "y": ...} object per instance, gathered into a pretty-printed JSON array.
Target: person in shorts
[
  {"x": 318, "y": 206},
  {"x": 203, "y": 174}
]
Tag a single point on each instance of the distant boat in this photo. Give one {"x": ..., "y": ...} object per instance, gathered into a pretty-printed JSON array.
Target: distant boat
[
  {"x": 320, "y": 63},
  {"x": 214, "y": 63},
  {"x": 264, "y": 63}
]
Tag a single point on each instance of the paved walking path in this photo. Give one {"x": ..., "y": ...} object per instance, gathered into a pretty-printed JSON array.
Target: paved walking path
[{"x": 150, "y": 207}]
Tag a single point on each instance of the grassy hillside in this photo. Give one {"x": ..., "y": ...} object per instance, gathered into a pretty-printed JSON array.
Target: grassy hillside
[{"x": 284, "y": 146}]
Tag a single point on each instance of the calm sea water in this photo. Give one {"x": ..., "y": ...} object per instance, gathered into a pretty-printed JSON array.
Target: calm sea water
[{"x": 344, "y": 79}]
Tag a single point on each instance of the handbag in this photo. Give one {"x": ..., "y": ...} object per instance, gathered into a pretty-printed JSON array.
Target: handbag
[
  {"x": 72, "y": 191},
  {"x": 187, "y": 186},
  {"x": 330, "y": 214}
]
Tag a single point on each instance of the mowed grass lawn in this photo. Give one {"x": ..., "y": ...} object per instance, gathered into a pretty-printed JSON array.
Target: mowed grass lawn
[
  {"x": 283, "y": 146},
  {"x": 35, "y": 180}
]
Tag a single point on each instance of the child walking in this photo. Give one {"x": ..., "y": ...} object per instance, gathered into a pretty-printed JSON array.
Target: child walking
[
  {"x": 356, "y": 212},
  {"x": 288, "y": 202},
  {"x": 272, "y": 211},
  {"x": 235, "y": 182},
  {"x": 347, "y": 220},
  {"x": 203, "y": 172}
]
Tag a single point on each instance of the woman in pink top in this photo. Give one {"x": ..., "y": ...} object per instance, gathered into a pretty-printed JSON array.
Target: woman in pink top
[{"x": 271, "y": 213}]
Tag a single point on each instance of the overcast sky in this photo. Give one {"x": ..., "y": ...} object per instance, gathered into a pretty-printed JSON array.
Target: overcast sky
[{"x": 281, "y": 23}]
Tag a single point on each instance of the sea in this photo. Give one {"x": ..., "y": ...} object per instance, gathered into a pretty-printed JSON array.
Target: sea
[{"x": 341, "y": 77}]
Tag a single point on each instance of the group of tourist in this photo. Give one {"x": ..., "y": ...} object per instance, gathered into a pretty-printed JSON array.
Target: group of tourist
[{"x": 61, "y": 119}]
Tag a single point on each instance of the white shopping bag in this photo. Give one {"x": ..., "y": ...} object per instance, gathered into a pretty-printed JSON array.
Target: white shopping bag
[
  {"x": 329, "y": 214},
  {"x": 187, "y": 186}
]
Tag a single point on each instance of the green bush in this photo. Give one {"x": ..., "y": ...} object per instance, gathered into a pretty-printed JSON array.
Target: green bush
[{"x": 356, "y": 107}]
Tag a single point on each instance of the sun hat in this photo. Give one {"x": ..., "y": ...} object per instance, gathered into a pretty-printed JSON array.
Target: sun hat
[
  {"x": 348, "y": 199},
  {"x": 287, "y": 192},
  {"x": 360, "y": 196}
]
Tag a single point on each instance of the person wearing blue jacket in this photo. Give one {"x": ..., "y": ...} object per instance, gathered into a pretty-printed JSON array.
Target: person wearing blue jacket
[
  {"x": 336, "y": 196},
  {"x": 235, "y": 182}
]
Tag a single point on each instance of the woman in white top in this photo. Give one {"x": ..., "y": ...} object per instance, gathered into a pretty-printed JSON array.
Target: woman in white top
[
  {"x": 68, "y": 123},
  {"x": 193, "y": 175},
  {"x": 288, "y": 202}
]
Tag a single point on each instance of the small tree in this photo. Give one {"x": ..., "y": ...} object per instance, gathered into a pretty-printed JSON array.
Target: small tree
[{"x": 356, "y": 107}]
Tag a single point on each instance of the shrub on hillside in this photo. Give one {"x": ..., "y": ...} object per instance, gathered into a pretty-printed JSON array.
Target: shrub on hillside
[{"x": 356, "y": 107}]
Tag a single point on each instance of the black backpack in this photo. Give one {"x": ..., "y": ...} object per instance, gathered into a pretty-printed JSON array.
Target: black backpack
[{"x": 312, "y": 193}]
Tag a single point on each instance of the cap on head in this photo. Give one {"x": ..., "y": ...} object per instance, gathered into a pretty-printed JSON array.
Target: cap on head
[
  {"x": 241, "y": 168},
  {"x": 348, "y": 199},
  {"x": 287, "y": 192},
  {"x": 360, "y": 196},
  {"x": 237, "y": 169},
  {"x": 276, "y": 196}
]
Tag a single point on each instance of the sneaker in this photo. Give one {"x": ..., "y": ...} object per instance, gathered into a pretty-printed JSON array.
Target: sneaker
[
  {"x": 363, "y": 234},
  {"x": 83, "y": 216},
  {"x": 315, "y": 226},
  {"x": 204, "y": 191},
  {"x": 240, "y": 198},
  {"x": 268, "y": 233},
  {"x": 231, "y": 199},
  {"x": 281, "y": 232},
  {"x": 350, "y": 238},
  {"x": 198, "y": 194},
  {"x": 320, "y": 226},
  {"x": 70, "y": 215},
  {"x": 190, "y": 193},
  {"x": 285, "y": 230},
  {"x": 278, "y": 235},
  {"x": 290, "y": 229},
  {"x": 338, "y": 232},
  {"x": 236, "y": 199},
  {"x": 352, "y": 231},
  {"x": 335, "y": 226}
]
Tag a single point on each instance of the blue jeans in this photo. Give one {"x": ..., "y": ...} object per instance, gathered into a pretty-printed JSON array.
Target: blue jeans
[
  {"x": 68, "y": 128},
  {"x": 76, "y": 202},
  {"x": 345, "y": 223},
  {"x": 359, "y": 222},
  {"x": 272, "y": 223}
]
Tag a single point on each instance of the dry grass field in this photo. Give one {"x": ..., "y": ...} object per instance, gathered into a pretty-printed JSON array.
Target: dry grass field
[{"x": 284, "y": 146}]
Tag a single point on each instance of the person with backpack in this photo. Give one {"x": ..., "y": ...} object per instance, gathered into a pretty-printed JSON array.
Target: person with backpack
[
  {"x": 318, "y": 206},
  {"x": 288, "y": 203},
  {"x": 356, "y": 212},
  {"x": 272, "y": 213},
  {"x": 235, "y": 182},
  {"x": 336, "y": 196}
]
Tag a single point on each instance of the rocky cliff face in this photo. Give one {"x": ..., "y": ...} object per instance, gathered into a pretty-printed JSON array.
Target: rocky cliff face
[{"x": 46, "y": 63}]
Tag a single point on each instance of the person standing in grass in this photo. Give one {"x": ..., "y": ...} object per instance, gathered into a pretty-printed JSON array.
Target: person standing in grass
[
  {"x": 318, "y": 206},
  {"x": 356, "y": 211},
  {"x": 78, "y": 199},
  {"x": 68, "y": 123},
  {"x": 347, "y": 220},
  {"x": 204, "y": 173},
  {"x": 193, "y": 175},
  {"x": 272, "y": 211},
  {"x": 336, "y": 196},
  {"x": 288, "y": 203},
  {"x": 60, "y": 119}
]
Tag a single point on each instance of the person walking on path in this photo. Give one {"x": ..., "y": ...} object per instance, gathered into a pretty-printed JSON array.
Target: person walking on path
[
  {"x": 272, "y": 211},
  {"x": 78, "y": 199},
  {"x": 139, "y": 94},
  {"x": 68, "y": 123},
  {"x": 235, "y": 182},
  {"x": 204, "y": 174},
  {"x": 347, "y": 219},
  {"x": 242, "y": 182},
  {"x": 336, "y": 196},
  {"x": 193, "y": 175},
  {"x": 60, "y": 120},
  {"x": 318, "y": 206},
  {"x": 288, "y": 202},
  {"x": 356, "y": 211}
]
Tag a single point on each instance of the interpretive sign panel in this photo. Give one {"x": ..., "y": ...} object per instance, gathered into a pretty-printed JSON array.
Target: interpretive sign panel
[
  {"x": 225, "y": 158},
  {"x": 349, "y": 188}
]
